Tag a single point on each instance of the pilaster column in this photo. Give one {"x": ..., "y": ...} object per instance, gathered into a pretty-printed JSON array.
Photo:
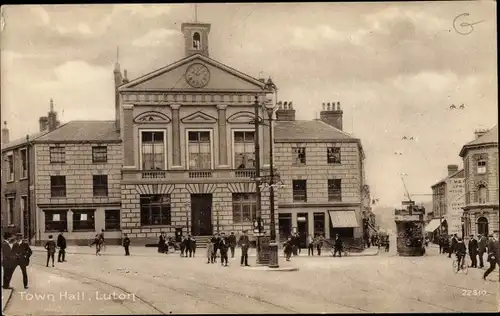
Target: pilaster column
[
  {"x": 221, "y": 109},
  {"x": 128, "y": 137},
  {"x": 176, "y": 135}
]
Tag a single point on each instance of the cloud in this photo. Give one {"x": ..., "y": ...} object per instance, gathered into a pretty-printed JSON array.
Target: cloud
[
  {"x": 81, "y": 28},
  {"x": 157, "y": 37}
]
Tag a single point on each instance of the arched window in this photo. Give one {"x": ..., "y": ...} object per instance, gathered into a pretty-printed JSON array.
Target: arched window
[
  {"x": 482, "y": 226},
  {"x": 482, "y": 194},
  {"x": 196, "y": 40}
]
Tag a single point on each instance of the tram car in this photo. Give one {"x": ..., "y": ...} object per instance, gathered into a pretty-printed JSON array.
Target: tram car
[{"x": 410, "y": 229}]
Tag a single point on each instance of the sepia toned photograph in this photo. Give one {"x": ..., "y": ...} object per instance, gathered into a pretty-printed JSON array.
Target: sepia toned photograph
[{"x": 249, "y": 158}]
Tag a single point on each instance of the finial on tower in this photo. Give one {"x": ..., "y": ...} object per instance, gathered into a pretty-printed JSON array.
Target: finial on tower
[{"x": 51, "y": 105}]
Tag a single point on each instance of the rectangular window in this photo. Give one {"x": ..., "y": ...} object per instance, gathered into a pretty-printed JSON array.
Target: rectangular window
[
  {"x": 299, "y": 156},
  {"x": 299, "y": 190},
  {"x": 333, "y": 155},
  {"x": 100, "y": 183},
  {"x": 334, "y": 190},
  {"x": 24, "y": 163},
  {"x": 11, "y": 209},
  {"x": 10, "y": 166},
  {"x": 83, "y": 220},
  {"x": 244, "y": 207},
  {"x": 244, "y": 149},
  {"x": 56, "y": 220},
  {"x": 481, "y": 166},
  {"x": 153, "y": 150},
  {"x": 57, "y": 155},
  {"x": 199, "y": 150},
  {"x": 155, "y": 209},
  {"x": 57, "y": 186},
  {"x": 99, "y": 154},
  {"x": 112, "y": 219}
]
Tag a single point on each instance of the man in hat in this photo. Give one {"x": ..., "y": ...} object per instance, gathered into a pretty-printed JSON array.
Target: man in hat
[
  {"x": 482, "y": 244},
  {"x": 23, "y": 254},
  {"x": 61, "y": 243},
  {"x": 244, "y": 243},
  {"x": 232, "y": 243},
  {"x": 9, "y": 263},
  {"x": 493, "y": 254},
  {"x": 473, "y": 251}
]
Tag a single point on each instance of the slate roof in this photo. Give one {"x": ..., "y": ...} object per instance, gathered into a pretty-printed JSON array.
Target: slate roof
[
  {"x": 78, "y": 131},
  {"x": 490, "y": 138},
  {"x": 303, "y": 131},
  {"x": 459, "y": 174},
  {"x": 22, "y": 141}
]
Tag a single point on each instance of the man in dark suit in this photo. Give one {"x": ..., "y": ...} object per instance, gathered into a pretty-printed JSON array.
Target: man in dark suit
[
  {"x": 23, "y": 254},
  {"x": 473, "y": 251},
  {"x": 454, "y": 242},
  {"x": 223, "y": 247},
  {"x": 9, "y": 262},
  {"x": 244, "y": 243},
  {"x": 61, "y": 243},
  {"x": 215, "y": 241},
  {"x": 126, "y": 244},
  {"x": 232, "y": 243},
  {"x": 482, "y": 244}
]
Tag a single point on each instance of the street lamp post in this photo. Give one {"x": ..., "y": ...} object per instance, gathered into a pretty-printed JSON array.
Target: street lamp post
[
  {"x": 186, "y": 206},
  {"x": 27, "y": 208},
  {"x": 217, "y": 206},
  {"x": 269, "y": 90}
]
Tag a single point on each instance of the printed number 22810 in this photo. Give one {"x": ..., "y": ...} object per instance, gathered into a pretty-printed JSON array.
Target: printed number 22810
[{"x": 474, "y": 292}]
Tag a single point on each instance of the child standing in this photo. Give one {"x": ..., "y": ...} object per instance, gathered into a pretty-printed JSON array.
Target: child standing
[
  {"x": 50, "y": 246},
  {"x": 126, "y": 244}
]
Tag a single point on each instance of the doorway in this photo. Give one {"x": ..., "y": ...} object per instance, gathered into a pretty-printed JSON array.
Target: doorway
[
  {"x": 201, "y": 214},
  {"x": 302, "y": 228},
  {"x": 285, "y": 225}
]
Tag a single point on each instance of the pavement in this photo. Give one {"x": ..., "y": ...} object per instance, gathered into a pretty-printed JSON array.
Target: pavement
[
  {"x": 152, "y": 283},
  {"x": 149, "y": 251},
  {"x": 6, "y": 295}
]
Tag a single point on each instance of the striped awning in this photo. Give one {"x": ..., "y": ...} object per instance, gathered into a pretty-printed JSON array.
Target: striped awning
[
  {"x": 433, "y": 225},
  {"x": 342, "y": 219}
]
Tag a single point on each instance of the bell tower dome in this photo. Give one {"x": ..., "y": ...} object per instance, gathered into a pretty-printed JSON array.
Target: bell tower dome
[{"x": 196, "y": 38}]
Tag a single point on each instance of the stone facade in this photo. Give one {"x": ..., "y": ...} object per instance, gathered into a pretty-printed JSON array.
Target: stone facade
[
  {"x": 476, "y": 206},
  {"x": 78, "y": 169},
  {"x": 317, "y": 171}
]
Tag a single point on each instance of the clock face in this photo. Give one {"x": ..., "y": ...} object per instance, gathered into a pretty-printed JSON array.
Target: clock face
[{"x": 197, "y": 75}]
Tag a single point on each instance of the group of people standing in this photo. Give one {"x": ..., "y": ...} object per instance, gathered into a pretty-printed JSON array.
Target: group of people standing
[
  {"x": 223, "y": 244},
  {"x": 15, "y": 252},
  {"x": 476, "y": 248}
]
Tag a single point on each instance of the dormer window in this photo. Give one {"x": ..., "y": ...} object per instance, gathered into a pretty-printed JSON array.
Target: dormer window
[{"x": 196, "y": 40}]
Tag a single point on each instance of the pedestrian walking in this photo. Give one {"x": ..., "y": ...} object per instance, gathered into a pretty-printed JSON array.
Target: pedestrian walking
[
  {"x": 473, "y": 247},
  {"x": 223, "y": 247},
  {"x": 232, "y": 243},
  {"x": 215, "y": 241},
  {"x": 161, "y": 243},
  {"x": 481, "y": 248},
  {"x": 319, "y": 244},
  {"x": 9, "y": 262},
  {"x": 288, "y": 248},
  {"x": 188, "y": 247},
  {"x": 453, "y": 245},
  {"x": 310, "y": 246},
  {"x": 460, "y": 251},
  {"x": 193, "y": 245},
  {"x": 337, "y": 246},
  {"x": 244, "y": 243},
  {"x": 50, "y": 246},
  {"x": 210, "y": 251},
  {"x": 23, "y": 254},
  {"x": 61, "y": 244},
  {"x": 183, "y": 246},
  {"x": 493, "y": 256},
  {"x": 126, "y": 244}
]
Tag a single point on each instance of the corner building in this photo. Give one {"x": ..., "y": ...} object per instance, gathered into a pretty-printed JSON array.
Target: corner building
[{"x": 188, "y": 146}]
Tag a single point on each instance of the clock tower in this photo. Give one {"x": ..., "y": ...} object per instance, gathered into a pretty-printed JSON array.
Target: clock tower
[{"x": 196, "y": 38}]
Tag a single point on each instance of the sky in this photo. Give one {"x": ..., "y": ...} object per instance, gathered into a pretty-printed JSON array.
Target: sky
[{"x": 395, "y": 68}]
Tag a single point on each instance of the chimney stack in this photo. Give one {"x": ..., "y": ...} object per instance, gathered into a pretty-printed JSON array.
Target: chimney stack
[
  {"x": 53, "y": 123},
  {"x": 285, "y": 111},
  {"x": 5, "y": 133},
  {"x": 332, "y": 115},
  {"x": 480, "y": 132},
  {"x": 452, "y": 169}
]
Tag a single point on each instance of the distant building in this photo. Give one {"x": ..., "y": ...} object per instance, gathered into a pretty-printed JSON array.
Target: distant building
[
  {"x": 480, "y": 158},
  {"x": 18, "y": 174},
  {"x": 322, "y": 168},
  {"x": 448, "y": 199}
]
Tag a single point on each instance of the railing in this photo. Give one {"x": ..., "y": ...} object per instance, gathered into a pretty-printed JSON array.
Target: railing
[{"x": 179, "y": 175}]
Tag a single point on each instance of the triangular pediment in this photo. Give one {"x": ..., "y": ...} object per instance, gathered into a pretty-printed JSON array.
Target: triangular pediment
[
  {"x": 242, "y": 117},
  {"x": 199, "y": 118},
  {"x": 173, "y": 78},
  {"x": 151, "y": 117}
]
